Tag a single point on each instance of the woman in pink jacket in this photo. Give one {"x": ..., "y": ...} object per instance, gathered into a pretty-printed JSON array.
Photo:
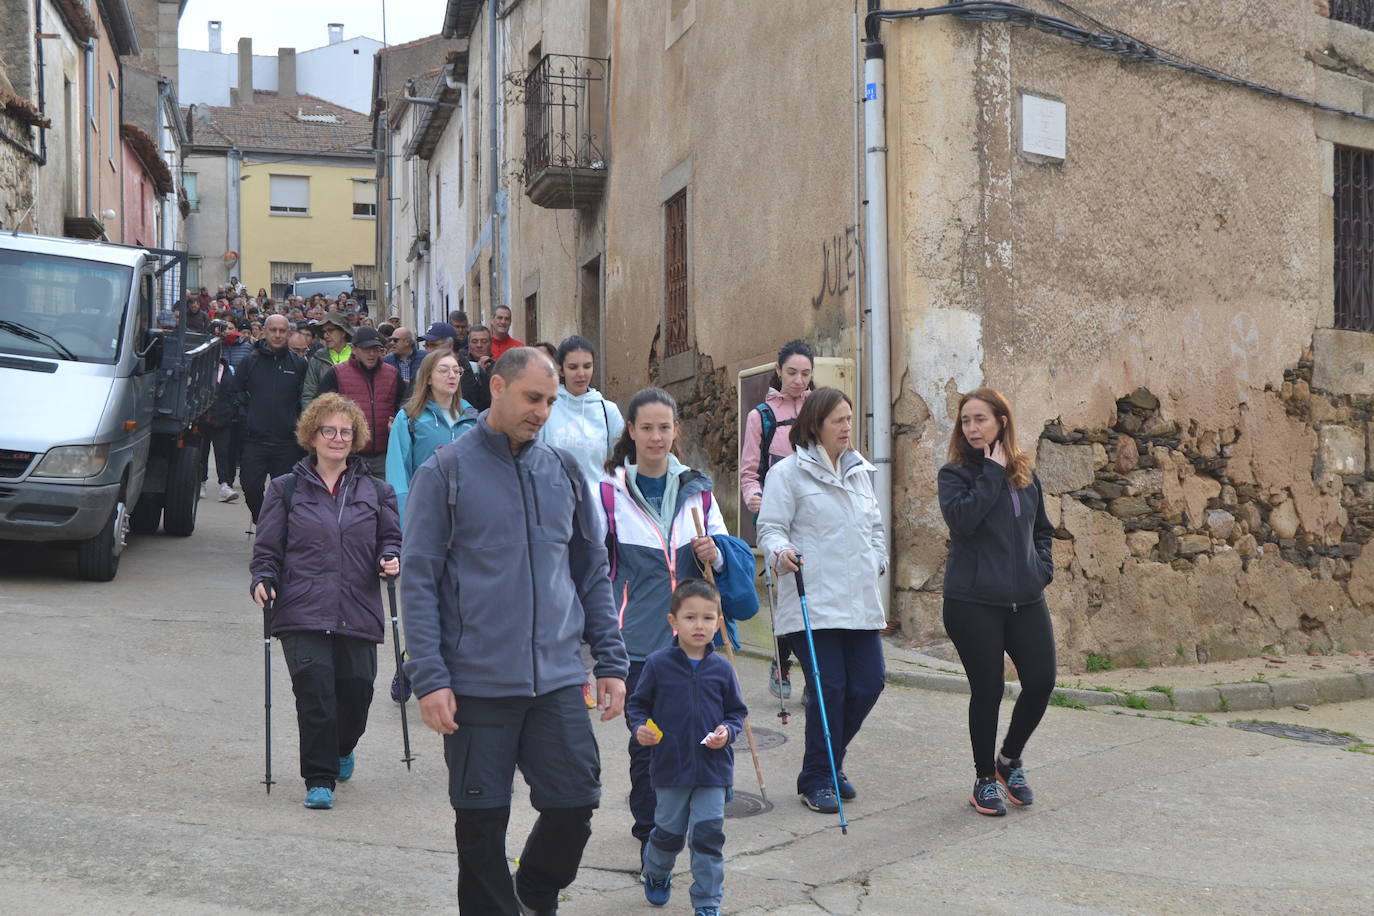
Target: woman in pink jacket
[{"x": 763, "y": 447}]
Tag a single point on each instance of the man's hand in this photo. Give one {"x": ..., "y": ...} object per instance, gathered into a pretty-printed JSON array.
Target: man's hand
[
  {"x": 261, "y": 594},
  {"x": 717, "y": 739},
  {"x": 610, "y": 697},
  {"x": 755, "y": 502},
  {"x": 439, "y": 708}
]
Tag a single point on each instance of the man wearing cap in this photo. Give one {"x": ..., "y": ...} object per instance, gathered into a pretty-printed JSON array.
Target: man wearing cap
[
  {"x": 336, "y": 350},
  {"x": 374, "y": 386},
  {"x": 440, "y": 336}
]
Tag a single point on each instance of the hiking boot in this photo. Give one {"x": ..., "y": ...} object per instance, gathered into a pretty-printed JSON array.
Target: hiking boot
[
  {"x": 847, "y": 790},
  {"x": 527, "y": 910},
  {"x": 321, "y": 797},
  {"x": 987, "y": 798},
  {"x": 1013, "y": 779},
  {"x": 780, "y": 685},
  {"x": 346, "y": 765},
  {"x": 657, "y": 890},
  {"x": 226, "y": 493},
  {"x": 706, "y": 911},
  {"x": 822, "y": 800},
  {"x": 400, "y": 687}
]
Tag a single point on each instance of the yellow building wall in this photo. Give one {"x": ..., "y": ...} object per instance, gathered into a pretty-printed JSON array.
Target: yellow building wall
[{"x": 330, "y": 237}]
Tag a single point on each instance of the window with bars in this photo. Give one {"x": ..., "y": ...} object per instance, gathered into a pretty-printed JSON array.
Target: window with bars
[
  {"x": 1354, "y": 231},
  {"x": 1356, "y": 12},
  {"x": 284, "y": 274},
  {"x": 365, "y": 280},
  {"x": 675, "y": 273},
  {"x": 532, "y": 317}
]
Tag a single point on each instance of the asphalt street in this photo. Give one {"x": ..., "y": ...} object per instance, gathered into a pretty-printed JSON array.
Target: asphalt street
[{"x": 132, "y": 755}]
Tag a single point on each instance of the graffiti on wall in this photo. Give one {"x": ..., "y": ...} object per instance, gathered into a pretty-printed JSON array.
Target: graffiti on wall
[{"x": 839, "y": 261}]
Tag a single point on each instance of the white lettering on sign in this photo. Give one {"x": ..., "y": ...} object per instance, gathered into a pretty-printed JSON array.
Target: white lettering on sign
[{"x": 1044, "y": 126}]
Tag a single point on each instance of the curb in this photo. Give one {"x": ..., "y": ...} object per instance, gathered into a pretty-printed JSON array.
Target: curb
[{"x": 1248, "y": 695}]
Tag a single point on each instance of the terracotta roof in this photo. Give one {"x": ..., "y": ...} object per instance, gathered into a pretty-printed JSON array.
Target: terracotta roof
[
  {"x": 411, "y": 44},
  {"x": 146, "y": 150},
  {"x": 293, "y": 123}
]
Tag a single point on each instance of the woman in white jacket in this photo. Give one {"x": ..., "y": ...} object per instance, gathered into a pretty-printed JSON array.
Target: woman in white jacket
[
  {"x": 582, "y": 422},
  {"x": 819, "y": 511}
]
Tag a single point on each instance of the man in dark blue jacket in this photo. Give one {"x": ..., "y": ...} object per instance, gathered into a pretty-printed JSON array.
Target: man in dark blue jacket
[
  {"x": 267, "y": 392},
  {"x": 496, "y": 605}
]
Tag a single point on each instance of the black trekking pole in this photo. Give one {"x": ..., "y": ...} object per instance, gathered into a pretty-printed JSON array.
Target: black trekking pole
[
  {"x": 267, "y": 607},
  {"x": 820, "y": 695},
  {"x": 396, "y": 646}
]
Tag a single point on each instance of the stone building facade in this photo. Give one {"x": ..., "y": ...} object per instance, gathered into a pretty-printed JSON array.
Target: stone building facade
[{"x": 1159, "y": 298}]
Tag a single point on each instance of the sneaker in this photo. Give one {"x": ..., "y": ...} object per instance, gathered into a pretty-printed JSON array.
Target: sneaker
[
  {"x": 202, "y": 491},
  {"x": 822, "y": 800},
  {"x": 657, "y": 890},
  {"x": 346, "y": 765},
  {"x": 1013, "y": 779},
  {"x": 319, "y": 797},
  {"x": 524, "y": 908},
  {"x": 779, "y": 686},
  {"x": 706, "y": 911},
  {"x": 847, "y": 790},
  {"x": 987, "y": 798},
  {"x": 226, "y": 493},
  {"x": 588, "y": 696},
  {"x": 400, "y": 687}
]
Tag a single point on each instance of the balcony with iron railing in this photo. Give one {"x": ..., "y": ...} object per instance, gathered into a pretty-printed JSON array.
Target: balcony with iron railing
[
  {"x": 566, "y": 111},
  {"x": 1358, "y": 13}
]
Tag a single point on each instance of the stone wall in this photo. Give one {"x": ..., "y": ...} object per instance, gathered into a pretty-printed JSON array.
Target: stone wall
[
  {"x": 1177, "y": 543},
  {"x": 18, "y": 172}
]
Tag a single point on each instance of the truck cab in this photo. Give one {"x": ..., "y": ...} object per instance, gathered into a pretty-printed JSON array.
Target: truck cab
[{"x": 97, "y": 394}]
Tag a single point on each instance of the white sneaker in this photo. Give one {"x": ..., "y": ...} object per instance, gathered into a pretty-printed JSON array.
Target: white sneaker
[
  {"x": 226, "y": 493},
  {"x": 202, "y": 491}
]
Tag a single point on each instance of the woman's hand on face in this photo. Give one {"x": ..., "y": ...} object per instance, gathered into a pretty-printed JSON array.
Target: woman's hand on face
[
  {"x": 754, "y": 503},
  {"x": 262, "y": 594},
  {"x": 996, "y": 452},
  {"x": 705, "y": 549},
  {"x": 390, "y": 566},
  {"x": 789, "y": 561}
]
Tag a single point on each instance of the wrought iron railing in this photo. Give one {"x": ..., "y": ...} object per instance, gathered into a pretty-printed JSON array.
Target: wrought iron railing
[
  {"x": 565, "y": 113},
  {"x": 1354, "y": 231},
  {"x": 1356, "y": 12}
]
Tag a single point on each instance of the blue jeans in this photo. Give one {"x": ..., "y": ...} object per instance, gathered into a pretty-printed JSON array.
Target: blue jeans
[
  {"x": 695, "y": 816},
  {"x": 852, "y": 676}
]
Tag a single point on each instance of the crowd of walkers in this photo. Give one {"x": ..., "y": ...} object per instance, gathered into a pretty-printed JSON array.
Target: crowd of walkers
[{"x": 554, "y": 556}]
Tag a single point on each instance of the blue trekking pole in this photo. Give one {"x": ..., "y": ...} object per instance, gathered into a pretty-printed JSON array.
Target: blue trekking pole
[{"x": 820, "y": 695}]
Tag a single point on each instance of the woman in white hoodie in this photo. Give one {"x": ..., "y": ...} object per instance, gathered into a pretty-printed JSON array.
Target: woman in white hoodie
[
  {"x": 819, "y": 511},
  {"x": 582, "y": 422}
]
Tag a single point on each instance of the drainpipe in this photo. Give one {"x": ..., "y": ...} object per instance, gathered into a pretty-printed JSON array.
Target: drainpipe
[
  {"x": 90, "y": 116},
  {"x": 495, "y": 158},
  {"x": 42, "y": 159},
  {"x": 875, "y": 238},
  {"x": 232, "y": 206}
]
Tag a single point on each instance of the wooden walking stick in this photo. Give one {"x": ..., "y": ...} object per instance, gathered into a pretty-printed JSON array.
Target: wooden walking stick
[{"x": 730, "y": 654}]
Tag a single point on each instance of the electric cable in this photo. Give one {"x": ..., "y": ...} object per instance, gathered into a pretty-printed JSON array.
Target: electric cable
[{"x": 1110, "y": 42}]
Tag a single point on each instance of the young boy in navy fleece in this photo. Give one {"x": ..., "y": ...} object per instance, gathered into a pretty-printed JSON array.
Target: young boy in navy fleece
[{"x": 687, "y": 706}]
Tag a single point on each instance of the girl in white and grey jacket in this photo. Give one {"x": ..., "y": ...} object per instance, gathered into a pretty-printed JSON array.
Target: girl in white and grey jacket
[{"x": 819, "y": 510}]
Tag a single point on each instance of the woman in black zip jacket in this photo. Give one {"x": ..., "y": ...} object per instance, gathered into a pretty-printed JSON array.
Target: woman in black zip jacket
[{"x": 999, "y": 564}]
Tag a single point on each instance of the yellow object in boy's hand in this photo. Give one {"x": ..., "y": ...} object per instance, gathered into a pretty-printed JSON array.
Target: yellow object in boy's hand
[
  {"x": 652, "y": 726},
  {"x": 648, "y": 734}
]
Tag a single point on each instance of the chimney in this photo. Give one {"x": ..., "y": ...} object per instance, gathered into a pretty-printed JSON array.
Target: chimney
[
  {"x": 215, "y": 29},
  {"x": 335, "y": 32},
  {"x": 245, "y": 71},
  {"x": 286, "y": 72}
]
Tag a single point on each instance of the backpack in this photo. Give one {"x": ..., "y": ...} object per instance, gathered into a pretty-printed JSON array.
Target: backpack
[
  {"x": 448, "y": 466},
  {"x": 608, "y": 504},
  {"x": 769, "y": 423}
]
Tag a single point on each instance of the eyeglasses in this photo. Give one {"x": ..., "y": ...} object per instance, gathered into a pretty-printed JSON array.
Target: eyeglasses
[
  {"x": 301, "y": 351},
  {"x": 448, "y": 370},
  {"x": 330, "y": 432}
]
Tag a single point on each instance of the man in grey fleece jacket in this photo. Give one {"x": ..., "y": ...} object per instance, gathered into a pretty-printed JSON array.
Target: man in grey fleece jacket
[{"x": 494, "y": 614}]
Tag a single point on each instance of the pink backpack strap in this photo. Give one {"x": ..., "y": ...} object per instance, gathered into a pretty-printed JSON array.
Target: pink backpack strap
[
  {"x": 706, "y": 508},
  {"x": 608, "y": 503}
]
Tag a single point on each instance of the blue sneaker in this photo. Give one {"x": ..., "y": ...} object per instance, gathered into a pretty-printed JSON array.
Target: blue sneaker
[
  {"x": 319, "y": 797},
  {"x": 346, "y": 765},
  {"x": 847, "y": 790},
  {"x": 1013, "y": 779},
  {"x": 707, "y": 911},
  {"x": 822, "y": 800},
  {"x": 986, "y": 798},
  {"x": 657, "y": 890}
]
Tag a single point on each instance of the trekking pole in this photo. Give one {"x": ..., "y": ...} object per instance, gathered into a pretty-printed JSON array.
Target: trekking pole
[
  {"x": 820, "y": 694},
  {"x": 396, "y": 646},
  {"x": 267, "y": 607},
  {"x": 773, "y": 623},
  {"x": 730, "y": 654}
]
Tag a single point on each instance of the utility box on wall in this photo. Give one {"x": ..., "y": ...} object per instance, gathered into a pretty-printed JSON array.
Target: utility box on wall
[{"x": 752, "y": 387}]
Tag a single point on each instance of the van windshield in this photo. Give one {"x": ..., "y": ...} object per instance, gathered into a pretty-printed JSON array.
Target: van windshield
[{"x": 63, "y": 308}]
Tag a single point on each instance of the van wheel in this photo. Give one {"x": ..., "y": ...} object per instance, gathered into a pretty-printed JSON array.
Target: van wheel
[
  {"x": 147, "y": 514},
  {"x": 97, "y": 559},
  {"x": 183, "y": 491}
]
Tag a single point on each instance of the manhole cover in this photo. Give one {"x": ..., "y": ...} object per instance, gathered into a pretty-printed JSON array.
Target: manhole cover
[
  {"x": 764, "y": 738},
  {"x": 745, "y": 804},
  {"x": 1296, "y": 733}
]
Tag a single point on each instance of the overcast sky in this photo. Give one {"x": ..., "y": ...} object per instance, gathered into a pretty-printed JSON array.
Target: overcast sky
[{"x": 301, "y": 24}]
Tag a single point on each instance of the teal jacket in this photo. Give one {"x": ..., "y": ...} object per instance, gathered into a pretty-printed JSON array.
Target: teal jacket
[{"x": 407, "y": 450}]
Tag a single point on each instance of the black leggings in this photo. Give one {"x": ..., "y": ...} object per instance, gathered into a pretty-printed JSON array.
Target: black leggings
[{"x": 981, "y": 633}]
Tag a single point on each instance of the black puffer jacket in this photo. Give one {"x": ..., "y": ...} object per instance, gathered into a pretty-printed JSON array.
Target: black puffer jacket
[
  {"x": 999, "y": 538},
  {"x": 267, "y": 392}
]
